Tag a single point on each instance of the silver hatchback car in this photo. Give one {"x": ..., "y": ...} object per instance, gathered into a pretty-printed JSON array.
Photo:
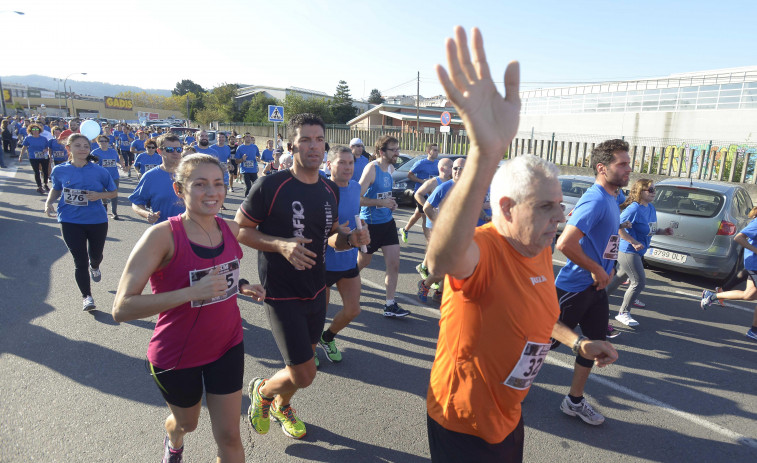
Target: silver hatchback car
[
  {"x": 573, "y": 187},
  {"x": 705, "y": 217}
]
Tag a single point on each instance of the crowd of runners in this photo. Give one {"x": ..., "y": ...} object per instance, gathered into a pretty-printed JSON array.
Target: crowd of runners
[{"x": 316, "y": 215}]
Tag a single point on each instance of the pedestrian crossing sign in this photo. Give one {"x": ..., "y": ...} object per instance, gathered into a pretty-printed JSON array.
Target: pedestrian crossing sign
[{"x": 275, "y": 113}]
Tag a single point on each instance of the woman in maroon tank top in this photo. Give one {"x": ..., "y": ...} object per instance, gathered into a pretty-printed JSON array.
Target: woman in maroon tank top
[{"x": 192, "y": 263}]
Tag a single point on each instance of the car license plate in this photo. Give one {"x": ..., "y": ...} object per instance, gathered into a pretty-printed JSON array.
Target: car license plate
[{"x": 667, "y": 255}]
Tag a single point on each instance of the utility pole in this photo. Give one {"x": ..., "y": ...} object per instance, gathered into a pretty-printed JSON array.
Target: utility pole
[{"x": 418, "y": 112}]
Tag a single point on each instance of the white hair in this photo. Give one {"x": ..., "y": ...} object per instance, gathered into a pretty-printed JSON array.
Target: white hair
[{"x": 518, "y": 178}]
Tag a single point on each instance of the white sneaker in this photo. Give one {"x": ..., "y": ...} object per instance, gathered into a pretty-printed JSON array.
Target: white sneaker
[
  {"x": 625, "y": 318},
  {"x": 96, "y": 274},
  {"x": 583, "y": 410},
  {"x": 638, "y": 303},
  {"x": 89, "y": 304}
]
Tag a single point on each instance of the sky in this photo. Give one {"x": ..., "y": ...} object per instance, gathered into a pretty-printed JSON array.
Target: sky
[{"x": 384, "y": 44}]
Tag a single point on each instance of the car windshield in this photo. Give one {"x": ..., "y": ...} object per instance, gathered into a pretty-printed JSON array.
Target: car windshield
[
  {"x": 409, "y": 164},
  {"x": 688, "y": 201},
  {"x": 573, "y": 187}
]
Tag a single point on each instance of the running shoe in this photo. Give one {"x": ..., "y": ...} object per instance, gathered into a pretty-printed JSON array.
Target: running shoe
[
  {"x": 719, "y": 289},
  {"x": 582, "y": 410},
  {"x": 40, "y": 190},
  {"x": 95, "y": 273},
  {"x": 290, "y": 424},
  {"x": 612, "y": 332},
  {"x": 706, "y": 299},
  {"x": 170, "y": 454},
  {"x": 751, "y": 334},
  {"x": 332, "y": 353},
  {"x": 46, "y": 188},
  {"x": 626, "y": 319},
  {"x": 626, "y": 283},
  {"x": 116, "y": 217},
  {"x": 437, "y": 297},
  {"x": 638, "y": 303},
  {"x": 422, "y": 292},
  {"x": 422, "y": 270},
  {"x": 395, "y": 311},
  {"x": 403, "y": 234},
  {"x": 89, "y": 304},
  {"x": 231, "y": 189},
  {"x": 315, "y": 359},
  {"x": 259, "y": 407},
  {"x": 435, "y": 286}
]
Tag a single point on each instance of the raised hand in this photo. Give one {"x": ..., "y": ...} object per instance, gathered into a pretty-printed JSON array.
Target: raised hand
[{"x": 491, "y": 121}]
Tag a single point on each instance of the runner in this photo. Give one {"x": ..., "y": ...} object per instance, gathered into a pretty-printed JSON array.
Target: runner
[
  {"x": 247, "y": 157},
  {"x": 137, "y": 147},
  {"x": 376, "y": 207},
  {"x": 267, "y": 155},
  {"x": 490, "y": 348},
  {"x": 341, "y": 266},
  {"x": 275, "y": 164},
  {"x": 358, "y": 149},
  {"x": 82, "y": 218},
  {"x": 109, "y": 159},
  {"x": 233, "y": 168},
  {"x": 36, "y": 147},
  {"x": 638, "y": 210},
  {"x": 154, "y": 198},
  {"x": 747, "y": 238},
  {"x": 222, "y": 151},
  {"x": 55, "y": 148},
  {"x": 421, "y": 171},
  {"x": 149, "y": 159},
  {"x": 124, "y": 139},
  {"x": 590, "y": 243},
  {"x": 73, "y": 127},
  {"x": 289, "y": 216},
  {"x": 197, "y": 343}
]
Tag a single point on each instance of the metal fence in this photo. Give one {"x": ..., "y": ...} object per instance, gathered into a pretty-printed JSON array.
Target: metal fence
[{"x": 721, "y": 160}]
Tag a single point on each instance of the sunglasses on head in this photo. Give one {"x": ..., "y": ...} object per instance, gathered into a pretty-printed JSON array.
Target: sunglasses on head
[{"x": 172, "y": 150}]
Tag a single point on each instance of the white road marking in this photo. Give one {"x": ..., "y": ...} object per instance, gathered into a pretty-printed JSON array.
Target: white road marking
[{"x": 664, "y": 406}]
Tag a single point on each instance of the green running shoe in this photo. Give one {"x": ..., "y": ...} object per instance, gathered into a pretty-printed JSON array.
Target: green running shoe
[
  {"x": 317, "y": 362},
  {"x": 332, "y": 353},
  {"x": 435, "y": 286},
  {"x": 423, "y": 271},
  {"x": 290, "y": 424},
  {"x": 259, "y": 408},
  {"x": 403, "y": 234}
]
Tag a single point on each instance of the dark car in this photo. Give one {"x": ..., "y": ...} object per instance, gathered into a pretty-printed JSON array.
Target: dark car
[{"x": 402, "y": 187}]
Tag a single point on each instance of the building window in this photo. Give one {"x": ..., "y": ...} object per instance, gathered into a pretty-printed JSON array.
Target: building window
[{"x": 431, "y": 130}]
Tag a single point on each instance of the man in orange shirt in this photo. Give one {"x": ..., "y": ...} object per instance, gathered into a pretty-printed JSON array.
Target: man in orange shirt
[{"x": 490, "y": 350}]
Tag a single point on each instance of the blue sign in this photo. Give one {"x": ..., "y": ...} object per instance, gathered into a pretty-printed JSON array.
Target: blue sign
[{"x": 275, "y": 113}]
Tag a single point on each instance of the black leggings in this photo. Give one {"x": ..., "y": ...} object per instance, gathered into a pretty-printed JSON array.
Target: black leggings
[
  {"x": 113, "y": 201},
  {"x": 249, "y": 179},
  {"x": 38, "y": 164},
  {"x": 86, "y": 243}
]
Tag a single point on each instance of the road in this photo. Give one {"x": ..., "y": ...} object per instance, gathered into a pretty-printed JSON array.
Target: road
[{"x": 75, "y": 387}]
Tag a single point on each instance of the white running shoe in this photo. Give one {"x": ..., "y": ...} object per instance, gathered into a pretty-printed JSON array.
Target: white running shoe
[
  {"x": 583, "y": 410},
  {"x": 638, "y": 303},
  {"x": 89, "y": 304},
  {"x": 626, "y": 319},
  {"x": 96, "y": 274}
]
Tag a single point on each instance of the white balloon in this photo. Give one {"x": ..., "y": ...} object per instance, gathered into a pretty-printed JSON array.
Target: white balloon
[{"x": 90, "y": 129}]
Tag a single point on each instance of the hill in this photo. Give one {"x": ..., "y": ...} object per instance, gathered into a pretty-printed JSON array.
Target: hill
[{"x": 97, "y": 89}]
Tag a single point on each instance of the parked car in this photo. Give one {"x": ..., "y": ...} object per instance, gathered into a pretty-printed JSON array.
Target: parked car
[
  {"x": 402, "y": 188},
  {"x": 705, "y": 217},
  {"x": 573, "y": 187}
]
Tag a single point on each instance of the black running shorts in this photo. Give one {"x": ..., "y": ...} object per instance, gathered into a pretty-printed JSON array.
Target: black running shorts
[
  {"x": 454, "y": 447},
  {"x": 382, "y": 234},
  {"x": 333, "y": 277},
  {"x": 296, "y": 325}
]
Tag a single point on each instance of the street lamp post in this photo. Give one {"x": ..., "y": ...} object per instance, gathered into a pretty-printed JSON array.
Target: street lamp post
[{"x": 65, "y": 81}]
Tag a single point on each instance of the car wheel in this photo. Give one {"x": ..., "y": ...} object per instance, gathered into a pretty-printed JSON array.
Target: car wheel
[{"x": 736, "y": 269}]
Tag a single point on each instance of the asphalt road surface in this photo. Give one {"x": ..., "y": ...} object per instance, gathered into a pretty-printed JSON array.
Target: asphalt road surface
[{"x": 75, "y": 387}]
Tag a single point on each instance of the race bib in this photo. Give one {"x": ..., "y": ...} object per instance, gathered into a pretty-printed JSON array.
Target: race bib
[
  {"x": 529, "y": 364},
  {"x": 74, "y": 197},
  {"x": 59, "y": 154},
  {"x": 229, "y": 270},
  {"x": 652, "y": 228},
  {"x": 40, "y": 155},
  {"x": 249, "y": 164},
  {"x": 384, "y": 195},
  {"x": 109, "y": 163},
  {"x": 611, "y": 250},
  {"x": 149, "y": 166}
]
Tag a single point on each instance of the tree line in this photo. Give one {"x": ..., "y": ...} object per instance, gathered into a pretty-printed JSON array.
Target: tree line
[{"x": 218, "y": 104}]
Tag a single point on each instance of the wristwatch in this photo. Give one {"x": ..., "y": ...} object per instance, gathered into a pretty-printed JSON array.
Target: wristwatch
[{"x": 577, "y": 344}]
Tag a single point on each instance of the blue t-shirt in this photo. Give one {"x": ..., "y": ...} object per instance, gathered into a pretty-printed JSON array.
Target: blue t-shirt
[
  {"x": 360, "y": 164},
  {"x": 424, "y": 170},
  {"x": 349, "y": 206},
  {"x": 380, "y": 188},
  {"x": 750, "y": 259},
  {"x": 109, "y": 160},
  {"x": 597, "y": 216},
  {"x": 621, "y": 198},
  {"x": 188, "y": 140},
  {"x": 250, "y": 166},
  {"x": 57, "y": 150},
  {"x": 643, "y": 225},
  {"x": 223, "y": 153},
  {"x": 73, "y": 183},
  {"x": 155, "y": 190},
  {"x": 436, "y": 196},
  {"x": 138, "y": 146},
  {"x": 267, "y": 155},
  {"x": 35, "y": 147},
  {"x": 145, "y": 162},
  {"x": 124, "y": 141}
]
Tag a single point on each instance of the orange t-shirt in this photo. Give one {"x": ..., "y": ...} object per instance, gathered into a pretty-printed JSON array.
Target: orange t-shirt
[{"x": 494, "y": 334}]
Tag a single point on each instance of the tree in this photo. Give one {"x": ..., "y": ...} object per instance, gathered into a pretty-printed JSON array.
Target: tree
[
  {"x": 297, "y": 104},
  {"x": 258, "y": 108},
  {"x": 375, "y": 97},
  {"x": 187, "y": 86},
  {"x": 341, "y": 107}
]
